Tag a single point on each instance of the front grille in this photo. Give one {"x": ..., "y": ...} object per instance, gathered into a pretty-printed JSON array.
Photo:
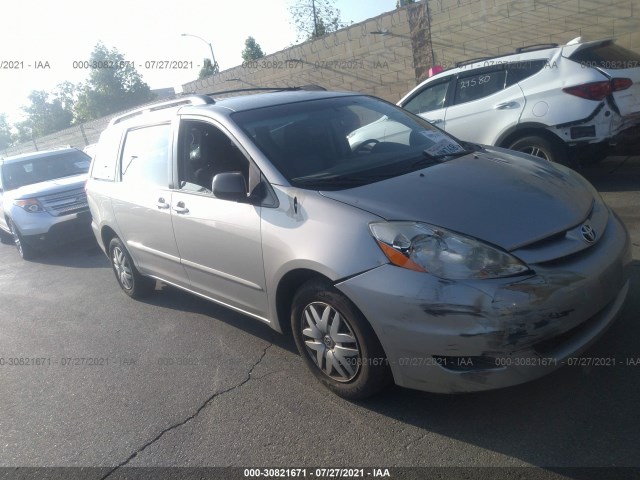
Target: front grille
[{"x": 65, "y": 203}]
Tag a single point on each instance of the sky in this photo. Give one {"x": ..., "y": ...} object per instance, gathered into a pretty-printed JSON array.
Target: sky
[{"x": 45, "y": 37}]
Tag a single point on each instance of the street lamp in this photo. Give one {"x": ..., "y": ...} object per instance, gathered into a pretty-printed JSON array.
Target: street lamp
[{"x": 214, "y": 64}]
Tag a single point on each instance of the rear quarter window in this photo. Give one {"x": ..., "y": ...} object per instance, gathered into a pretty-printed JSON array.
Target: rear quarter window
[{"x": 518, "y": 71}]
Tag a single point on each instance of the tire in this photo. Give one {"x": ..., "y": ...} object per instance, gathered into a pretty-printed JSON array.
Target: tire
[
  {"x": 129, "y": 279},
  {"x": 325, "y": 322},
  {"x": 26, "y": 251},
  {"x": 542, "y": 147}
]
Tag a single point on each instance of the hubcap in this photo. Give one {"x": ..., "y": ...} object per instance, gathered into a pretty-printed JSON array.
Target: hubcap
[
  {"x": 330, "y": 342},
  {"x": 122, "y": 268}
]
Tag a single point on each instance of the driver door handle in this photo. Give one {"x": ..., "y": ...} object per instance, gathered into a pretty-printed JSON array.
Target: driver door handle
[
  {"x": 436, "y": 121},
  {"x": 161, "y": 204},
  {"x": 506, "y": 105}
]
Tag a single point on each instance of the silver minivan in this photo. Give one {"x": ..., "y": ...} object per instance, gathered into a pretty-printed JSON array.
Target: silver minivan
[{"x": 418, "y": 259}]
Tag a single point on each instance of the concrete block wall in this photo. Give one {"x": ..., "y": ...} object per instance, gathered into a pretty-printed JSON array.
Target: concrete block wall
[
  {"x": 374, "y": 56},
  {"x": 78, "y": 136},
  {"x": 389, "y": 54},
  {"x": 463, "y": 29}
]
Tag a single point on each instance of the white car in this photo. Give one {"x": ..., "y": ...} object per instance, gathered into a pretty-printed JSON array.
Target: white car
[{"x": 546, "y": 100}]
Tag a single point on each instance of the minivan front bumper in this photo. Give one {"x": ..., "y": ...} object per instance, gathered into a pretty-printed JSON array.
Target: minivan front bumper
[{"x": 452, "y": 336}]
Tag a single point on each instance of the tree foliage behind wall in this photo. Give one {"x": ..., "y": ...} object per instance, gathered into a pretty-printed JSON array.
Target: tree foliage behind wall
[
  {"x": 315, "y": 18},
  {"x": 5, "y": 133},
  {"x": 252, "y": 50},
  {"x": 114, "y": 87},
  {"x": 46, "y": 114}
]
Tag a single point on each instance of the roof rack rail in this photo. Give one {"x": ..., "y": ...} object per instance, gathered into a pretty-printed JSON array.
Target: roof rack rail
[
  {"x": 472, "y": 60},
  {"x": 192, "y": 99},
  {"x": 537, "y": 46},
  {"x": 270, "y": 89}
]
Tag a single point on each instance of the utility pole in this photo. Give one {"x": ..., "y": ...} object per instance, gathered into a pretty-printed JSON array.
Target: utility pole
[{"x": 315, "y": 19}]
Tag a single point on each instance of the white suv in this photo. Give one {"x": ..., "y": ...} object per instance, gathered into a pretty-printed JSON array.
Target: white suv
[{"x": 542, "y": 100}]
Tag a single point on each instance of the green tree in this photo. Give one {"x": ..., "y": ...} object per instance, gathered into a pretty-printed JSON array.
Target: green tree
[
  {"x": 252, "y": 50},
  {"x": 46, "y": 116},
  {"x": 402, "y": 3},
  {"x": 208, "y": 69},
  {"x": 67, "y": 92},
  {"x": 23, "y": 133},
  {"x": 315, "y": 18},
  {"x": 113, "y": 87},
  {"x": 5, "y": 133}
]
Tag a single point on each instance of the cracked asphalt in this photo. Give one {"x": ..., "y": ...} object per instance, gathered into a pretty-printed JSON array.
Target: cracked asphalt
[{"x": 177, "y": 381}]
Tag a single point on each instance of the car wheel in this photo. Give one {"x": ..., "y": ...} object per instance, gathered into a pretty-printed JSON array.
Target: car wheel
[
  {"x": 336, "y": 342},
  {"x": 26, "y": 251},
  {"x": 542, "y": 147},
  {"x": 130, "y": 280}
]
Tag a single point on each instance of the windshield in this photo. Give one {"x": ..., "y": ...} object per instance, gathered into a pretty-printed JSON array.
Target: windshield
[
  {"x": 337, "y": 143},
  {"x": 40, "y": 169}
]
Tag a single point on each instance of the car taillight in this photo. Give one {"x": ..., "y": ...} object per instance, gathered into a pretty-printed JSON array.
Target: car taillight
[
  {"x": 618, "y": 84},
  {"x": 599, "y": 90}
]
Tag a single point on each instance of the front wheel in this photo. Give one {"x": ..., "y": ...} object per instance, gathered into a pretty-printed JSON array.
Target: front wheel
[
  {"x": 26, "y": 251},
  {"x": 542, "y": 147},
  {"x": 129, "y": 279},
  {"x": 336, "y": 342}
]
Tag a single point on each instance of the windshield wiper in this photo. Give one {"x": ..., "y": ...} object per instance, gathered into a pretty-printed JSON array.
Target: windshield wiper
[
  {"x": 340, "y": 180},
  {"x": 442, "y": 156}
]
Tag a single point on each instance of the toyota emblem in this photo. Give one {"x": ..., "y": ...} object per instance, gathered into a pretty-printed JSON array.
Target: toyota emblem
[{"x": 588, "y": 233}]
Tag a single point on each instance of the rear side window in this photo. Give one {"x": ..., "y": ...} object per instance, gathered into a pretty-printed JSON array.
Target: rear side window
[
  {"x": 607, "y": 55},
  {"x": 518, "y": 71},
  {"x": 431, "y": 98},
  {"x": 479, "y": 85},
  {"x": 145, "y": 156}
]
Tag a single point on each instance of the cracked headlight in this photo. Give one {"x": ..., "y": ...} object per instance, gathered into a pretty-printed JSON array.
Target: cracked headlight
[{"x": 426, "y": 248}]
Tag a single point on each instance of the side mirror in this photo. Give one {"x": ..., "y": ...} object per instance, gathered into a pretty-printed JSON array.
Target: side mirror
[{"x": 230, "y": 186}]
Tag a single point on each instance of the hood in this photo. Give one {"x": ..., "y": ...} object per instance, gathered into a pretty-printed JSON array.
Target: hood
[
  {"x": 494, "y": 196},
  {"x": 49, "y": 187}
]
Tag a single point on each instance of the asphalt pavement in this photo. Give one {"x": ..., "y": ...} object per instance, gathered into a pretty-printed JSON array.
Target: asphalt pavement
[{"x": 177, "y": 381}]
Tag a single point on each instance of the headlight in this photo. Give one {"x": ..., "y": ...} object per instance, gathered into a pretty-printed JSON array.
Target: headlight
[
  {"x": 426, "y": 248},
  {"x": 31, "y": 205}
]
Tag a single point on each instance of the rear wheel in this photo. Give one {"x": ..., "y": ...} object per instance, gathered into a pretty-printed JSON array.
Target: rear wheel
[
  {"x": 130, "y": 280},
  {"x": 336, "y": 342},
  {"x": 26, "y": 251},
  {"x": 542, "y": 147}
]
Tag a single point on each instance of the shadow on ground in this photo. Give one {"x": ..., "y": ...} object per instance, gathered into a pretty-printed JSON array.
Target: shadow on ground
[{"x": 83, "y": 253}]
